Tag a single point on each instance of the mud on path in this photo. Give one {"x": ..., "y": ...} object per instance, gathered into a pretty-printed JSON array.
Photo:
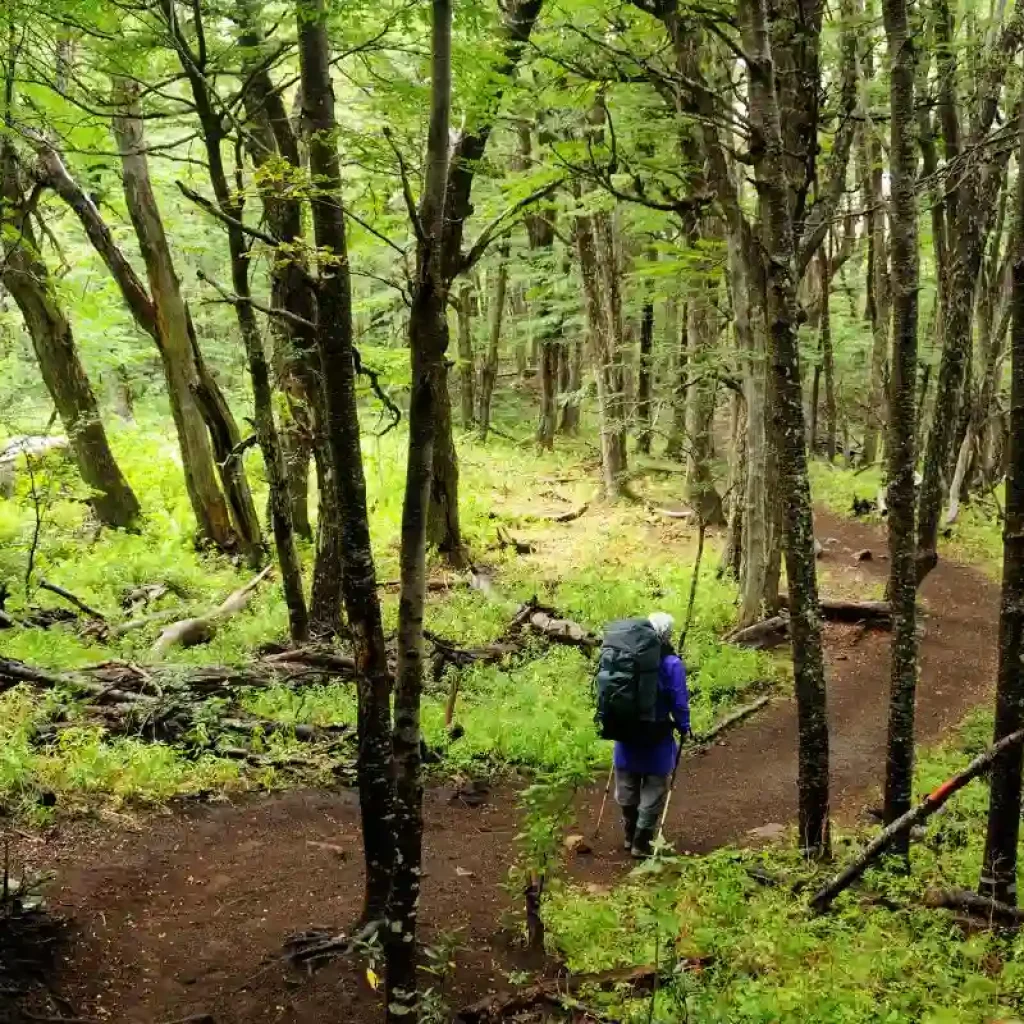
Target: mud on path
[{"x": 187, "y": 912}]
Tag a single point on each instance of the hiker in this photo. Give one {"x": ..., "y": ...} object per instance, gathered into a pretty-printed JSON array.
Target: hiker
[{"x": 642, "y": 701}]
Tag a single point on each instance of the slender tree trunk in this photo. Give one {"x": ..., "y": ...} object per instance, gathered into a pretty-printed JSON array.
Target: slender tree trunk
[
  {"x": 675, "y": 446},
  {"x": 610, "y": 274},
  {"x": 777, "y": 234},
  {"x": 999, "y": 873},
  {"x": 338, "y": 398},
  {"x": 612, "y": 461},
  {"x": 643, "y": 387},
  {"x": 226, "y": 440},
  {"x": 230, "y": 204},
  {"x": 569, "y": 419},
  {"x": 467, "y": 364},
  {"x": 27, "y": 278},
  {"x": 428, "y": 336},
  {"x": 878, "y": 300},
  {"x": 489, "y": 370},
  {"x": 272, "y": 139},
  {"x": 902, "y": 418}
]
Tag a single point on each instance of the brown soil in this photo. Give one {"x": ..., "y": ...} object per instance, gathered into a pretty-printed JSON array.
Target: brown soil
[{"x": 188, "y": 912}]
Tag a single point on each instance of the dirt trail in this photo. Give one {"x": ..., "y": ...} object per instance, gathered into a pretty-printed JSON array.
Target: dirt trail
[
  {"x": 748, "y": 781},
  {"x": 187, "y": 913}
]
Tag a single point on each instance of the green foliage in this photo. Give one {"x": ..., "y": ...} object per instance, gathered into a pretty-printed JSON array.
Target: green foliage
[
  {"x": 84, "y": 769},
  {"x": 757, "y": 955}
]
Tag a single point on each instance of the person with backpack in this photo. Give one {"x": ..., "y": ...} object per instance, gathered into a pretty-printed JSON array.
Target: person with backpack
[{"x": 642, "y": 700}]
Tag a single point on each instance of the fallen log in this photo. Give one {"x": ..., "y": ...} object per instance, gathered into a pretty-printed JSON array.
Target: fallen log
[
  {"x": 762, "y": 636},
  {"x": 329, "y": 662},
  {"x": 72, "y": 599},
  {"x": 561, "y": 631},
  {"x": 877, "y": 613},
  {"x": 976, "y": 906},
  {"x": 189, "y": 632},
  {"x": 823, "y": 898}
]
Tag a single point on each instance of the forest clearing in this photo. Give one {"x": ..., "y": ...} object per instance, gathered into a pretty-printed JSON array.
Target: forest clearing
[{"x": 511, "y": 510}]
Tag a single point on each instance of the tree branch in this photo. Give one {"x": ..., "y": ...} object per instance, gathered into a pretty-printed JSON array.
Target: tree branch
[{"x": 493, "y": 230}]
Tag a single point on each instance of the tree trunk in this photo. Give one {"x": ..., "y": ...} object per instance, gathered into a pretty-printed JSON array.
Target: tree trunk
[
  {"x": 230, "y": 204},
  {"x": 572, "y": 362},
  {"x": 643, "y": 386},
  {"x": 341, "y": 421},
  {"x": 675, "y": 446},
  {"x": 999, "y": 873},
  {"x": 271, "y": 139},
  {"x": 878, "y": 294},
  {"x": 900, "y": 445},
  {"x": 489, "y": 370},
  {"x": 226, "y": 440},
  {"x": 548, "y": 394},
  {"x": 612, "y": 462},
  {"x": 27, "y": 278},
  {"x": 794, "y": 487},
  {"x": 172, "y": 325},
  {"x": 428, "y": 336},
  {"x": 703, "y": 327},
  {"x": 444, "y": 529},
  {"x": 467, "y": 367},
  {"x": 610, "y": 275}
]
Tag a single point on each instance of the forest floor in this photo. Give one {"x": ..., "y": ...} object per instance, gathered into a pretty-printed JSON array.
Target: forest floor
[{"x": 186, "y": 911}]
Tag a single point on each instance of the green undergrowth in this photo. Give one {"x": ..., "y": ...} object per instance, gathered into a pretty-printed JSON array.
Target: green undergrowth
[
  {"x": 976, "y": 538},
  {"x": 754, "y": 953},
  {"x": 533, "y": 712}
]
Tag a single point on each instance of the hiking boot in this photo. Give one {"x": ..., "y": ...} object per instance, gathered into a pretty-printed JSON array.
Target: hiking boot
[
  {"x": 642, "y": 843},
  {"x": 629, "y": 818}
]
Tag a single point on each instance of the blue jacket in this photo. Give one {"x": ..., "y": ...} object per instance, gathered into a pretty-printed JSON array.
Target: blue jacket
[{"x": 674, "y": 702}]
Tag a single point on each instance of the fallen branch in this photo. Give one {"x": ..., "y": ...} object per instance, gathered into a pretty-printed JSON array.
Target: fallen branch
[
  {"x": 735, "y": 718},
  {"x": 157, "y": 618},
  {"x": 433, "y": 585},
  {"x": 824, "y": 897},
  {"x": 570, "y": 516},
  {"x": 975, "y": 905},
  {"x": 189, "y": 632},
  {"x": 71, "y": 599},
  {"x": 506, "y": 540}
]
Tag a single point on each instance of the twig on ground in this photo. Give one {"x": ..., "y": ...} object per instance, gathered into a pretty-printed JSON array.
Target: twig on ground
[{"x": 71, "y": 599}]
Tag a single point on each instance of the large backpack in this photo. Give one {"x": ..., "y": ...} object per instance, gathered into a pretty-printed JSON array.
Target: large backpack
[{"x": 627, "y": 684}]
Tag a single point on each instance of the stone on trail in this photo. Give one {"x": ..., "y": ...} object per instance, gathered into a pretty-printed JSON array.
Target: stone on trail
[{"x": 770, "y": 832}]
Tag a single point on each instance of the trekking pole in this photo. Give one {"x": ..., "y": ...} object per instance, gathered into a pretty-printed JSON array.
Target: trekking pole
[
  {"x": 671, "y": 790},
  {"x": 604, "y": 799}
]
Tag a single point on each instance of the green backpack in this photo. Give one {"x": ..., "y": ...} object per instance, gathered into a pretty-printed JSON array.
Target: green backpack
[{"x": 627, "y": 684}]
